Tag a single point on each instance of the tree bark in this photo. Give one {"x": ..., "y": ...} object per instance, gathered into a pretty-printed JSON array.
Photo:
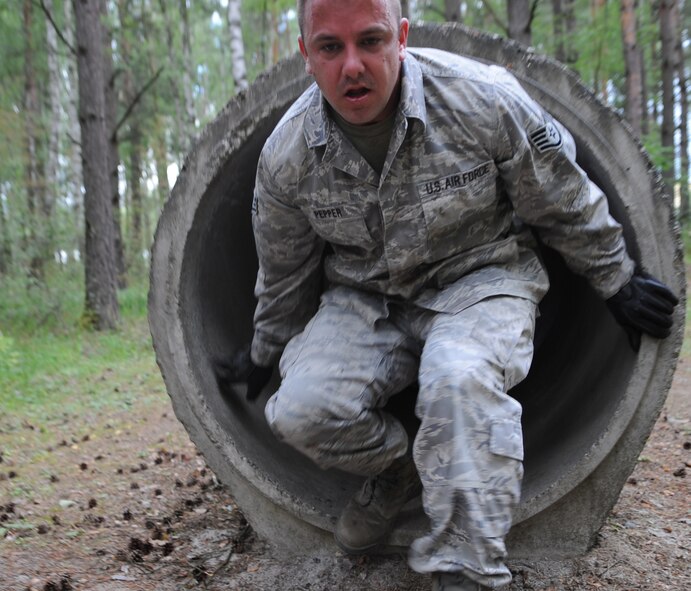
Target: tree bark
[
  {"x": 237, "y": 46},
  {"x": 101, "y": 305},
  {"x": 161, "y": 158},
  {"x": 190, "y": 117},
  {"x": 632, "y": 59},
  {"x": 53, "y": 188},
  {"x": 452, "y": 11},
  {"x": 179, "y": 136},
  {"x": 33, "y": 226},
  {"x": 5, "y": 241},
  {"x": 520, "y": 21},
  {"x": 111, "y": 97},
  {"x": 599, "y": 83},
  {"x": 74, "y": 175},
  {"x": 645, "y": 121},
  {"x": 564, "y": 25},
  {"x": 684, "y": 206},
  {"x": 669, "y": 16}
]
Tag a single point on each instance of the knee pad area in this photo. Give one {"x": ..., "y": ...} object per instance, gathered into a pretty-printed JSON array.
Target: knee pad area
[{"x": 303, "y": 413}]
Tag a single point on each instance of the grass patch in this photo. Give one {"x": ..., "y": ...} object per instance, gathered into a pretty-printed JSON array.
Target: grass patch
[{"x": 50, "y": 365}]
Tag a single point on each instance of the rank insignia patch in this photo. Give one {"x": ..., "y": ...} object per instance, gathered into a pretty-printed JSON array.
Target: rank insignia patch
[{"x": 546, "y": 138}]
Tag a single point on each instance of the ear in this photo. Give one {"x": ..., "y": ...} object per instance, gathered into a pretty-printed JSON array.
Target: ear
[
  {"x": 402, "y": 38},
  {"x": 303, "y": 51}
]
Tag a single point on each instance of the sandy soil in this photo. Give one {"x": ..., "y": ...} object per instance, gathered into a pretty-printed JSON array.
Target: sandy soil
[{"x": 124, "y": 502}]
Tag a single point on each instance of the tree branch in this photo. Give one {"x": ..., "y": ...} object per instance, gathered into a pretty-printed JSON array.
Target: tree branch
[
  {"x": 135, "y": 100},
  {"x": 55, "y": 26},
  {"x": 74, "y": 141},
  {"x": 495, "y": 17}
]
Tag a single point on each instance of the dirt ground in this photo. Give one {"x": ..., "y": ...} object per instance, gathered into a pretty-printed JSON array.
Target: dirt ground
[{"x": 124, "y": 502}]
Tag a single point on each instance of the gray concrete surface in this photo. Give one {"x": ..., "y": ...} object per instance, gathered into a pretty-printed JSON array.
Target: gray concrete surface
[{"x": 589, "y": 401}]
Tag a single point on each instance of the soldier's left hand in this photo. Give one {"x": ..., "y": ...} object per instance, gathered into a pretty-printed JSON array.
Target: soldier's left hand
[
  {"x": 644, "y": 305},
  {"x": 239, "y": 369}
]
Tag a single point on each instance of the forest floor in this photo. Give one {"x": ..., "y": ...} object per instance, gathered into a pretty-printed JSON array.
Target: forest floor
[{"x": 121, "y": 500}]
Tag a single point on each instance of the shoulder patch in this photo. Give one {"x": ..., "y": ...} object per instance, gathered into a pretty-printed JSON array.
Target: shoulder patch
[{"x": 546, "y": 138}]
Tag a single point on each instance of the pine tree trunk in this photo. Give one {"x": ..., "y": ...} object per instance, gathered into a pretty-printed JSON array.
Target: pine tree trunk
[
  {"x": 632, "y": 59},
  {"x": 33, "y": 226},
  {"x": 111, "y": 96},
  {"x": 134, "y": 177},
  {"x": 101, "y": 304},
  {"x": 74, "y": 175},
  {"x": 668, "y": 26},
  {"x": 275, "y": 49},
  {"x": 684, "y": 206},
  {"x": 645, "y": 121},
  {"x": 161, "y": 158},
  {"x": 599, "y": 83},
  {"x": 564, "y": 25},
  {"x": 520, "y": 21},
  {"x": 53, "y": 188},
  {"x": 179, "y": 137},
  {"x": 237, "y": 47},
  {"x": 655, "y": 105},
  {"x": 452, "y": 11},
  {"x": 5, "y": 241},
  {"x": 190, "y": 117}
]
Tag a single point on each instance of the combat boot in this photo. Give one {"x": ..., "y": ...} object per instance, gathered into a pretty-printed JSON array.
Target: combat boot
[
  {"x": 369, "y": 515},
  {"x": 455, "y": 582}
]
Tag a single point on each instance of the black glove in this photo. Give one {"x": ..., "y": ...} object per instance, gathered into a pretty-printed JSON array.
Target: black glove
[
  {"x": 644, "y": 304},
  {"x": 240, "y": 369}
]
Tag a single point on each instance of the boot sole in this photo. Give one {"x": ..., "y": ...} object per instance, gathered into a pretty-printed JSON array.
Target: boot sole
[{"x": 356, "y": 551}]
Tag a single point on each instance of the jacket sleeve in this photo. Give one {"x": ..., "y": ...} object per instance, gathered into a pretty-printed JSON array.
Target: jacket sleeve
[
  {"x": 550, "y": 192},
  {"x": 290, "y": 253}
]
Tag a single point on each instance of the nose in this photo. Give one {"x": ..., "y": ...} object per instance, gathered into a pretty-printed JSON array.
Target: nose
[{"x": 353, "y": 65}]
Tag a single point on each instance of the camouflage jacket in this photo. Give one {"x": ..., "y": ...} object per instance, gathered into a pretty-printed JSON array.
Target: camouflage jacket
[{"x": 469, "y": 152}]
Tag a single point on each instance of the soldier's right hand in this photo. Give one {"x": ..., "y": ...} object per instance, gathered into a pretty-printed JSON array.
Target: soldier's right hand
[
  {"x": 240, "y": 369},
  {"x": 644, "y": 305}
]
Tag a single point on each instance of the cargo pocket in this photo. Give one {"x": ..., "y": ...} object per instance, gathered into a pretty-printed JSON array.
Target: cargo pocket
[{"x": 506, "y": 439}]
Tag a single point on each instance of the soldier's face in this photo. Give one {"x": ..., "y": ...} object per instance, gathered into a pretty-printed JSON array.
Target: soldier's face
[{"x": 354, "y": 50}]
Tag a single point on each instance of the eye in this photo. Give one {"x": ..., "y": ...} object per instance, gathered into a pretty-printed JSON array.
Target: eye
[
  {"x": 371, "y": 41},
  {"x": 330, "y": 48}
]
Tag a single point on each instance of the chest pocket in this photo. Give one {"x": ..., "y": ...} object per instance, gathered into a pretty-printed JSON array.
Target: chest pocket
[
  {"x": 459, "y": 201},
  {"x": 341, "y": 225}
]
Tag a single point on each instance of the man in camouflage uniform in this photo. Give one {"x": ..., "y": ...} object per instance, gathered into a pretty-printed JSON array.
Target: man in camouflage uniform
[{"x": 395, "y": 181}]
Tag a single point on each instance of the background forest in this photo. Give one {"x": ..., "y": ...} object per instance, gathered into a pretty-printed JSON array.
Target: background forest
[{"x": 101, "y": 99}]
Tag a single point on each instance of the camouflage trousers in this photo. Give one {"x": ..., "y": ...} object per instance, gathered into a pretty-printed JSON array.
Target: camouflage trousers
[{"x": 350, "y": 359}]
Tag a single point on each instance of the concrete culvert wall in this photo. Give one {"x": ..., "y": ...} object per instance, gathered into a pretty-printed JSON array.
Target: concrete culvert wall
[{"x": 589, "y": 401}]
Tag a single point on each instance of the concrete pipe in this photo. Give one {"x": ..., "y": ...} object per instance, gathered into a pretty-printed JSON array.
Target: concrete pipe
[{"x": 589, "y": 401}]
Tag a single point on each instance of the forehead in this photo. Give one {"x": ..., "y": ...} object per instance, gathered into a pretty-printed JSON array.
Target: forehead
[{"x": 328, "y": 14}]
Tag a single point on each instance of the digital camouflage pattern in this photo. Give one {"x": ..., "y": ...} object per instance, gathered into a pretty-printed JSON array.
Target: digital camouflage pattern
[
  {"x": 373, "y": 281},
  {"x": 470, "y": 151},
  {"x": 340, "y": 372}
]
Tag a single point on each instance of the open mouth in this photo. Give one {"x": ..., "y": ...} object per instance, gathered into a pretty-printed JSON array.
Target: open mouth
[{"x": 357, "y": 92}]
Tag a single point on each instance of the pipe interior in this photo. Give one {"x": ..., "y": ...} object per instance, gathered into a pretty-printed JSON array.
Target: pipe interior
[{"x": 580, "y": 371}]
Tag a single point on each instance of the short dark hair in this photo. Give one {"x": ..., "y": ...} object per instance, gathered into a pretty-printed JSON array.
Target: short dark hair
[{"x": 302, "y": 5}]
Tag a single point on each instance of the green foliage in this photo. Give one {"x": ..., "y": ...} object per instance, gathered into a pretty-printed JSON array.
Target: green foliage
[
  {"x": 28, "y": 306},
  {"x": 661, "y": 156},
  {"x": 8, "y": 355},
  {"x": 49, "y": 364}
]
